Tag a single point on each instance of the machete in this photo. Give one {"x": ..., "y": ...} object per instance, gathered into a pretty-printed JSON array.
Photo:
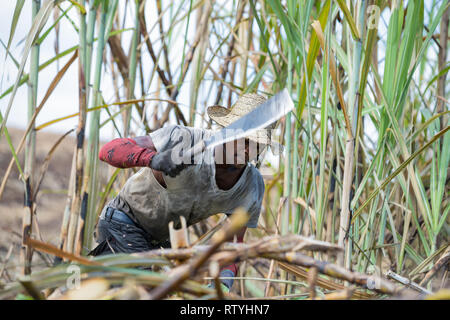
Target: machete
[{"x": 265, "y": 114}]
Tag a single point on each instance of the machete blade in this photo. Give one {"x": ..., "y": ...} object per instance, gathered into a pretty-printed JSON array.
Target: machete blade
[{"x": 262, "y": 116}]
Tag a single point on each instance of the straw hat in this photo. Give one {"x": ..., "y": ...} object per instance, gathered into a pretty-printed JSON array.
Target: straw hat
[{"x": 246, "y": 103}]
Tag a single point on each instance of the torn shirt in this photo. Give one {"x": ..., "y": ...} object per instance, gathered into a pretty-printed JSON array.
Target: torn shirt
[{"x": 193, "y": 194}]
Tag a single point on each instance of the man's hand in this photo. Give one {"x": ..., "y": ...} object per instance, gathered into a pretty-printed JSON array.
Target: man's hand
[
  {"x": 163, "y": 161},
  {"x": 224, "y": 288}
]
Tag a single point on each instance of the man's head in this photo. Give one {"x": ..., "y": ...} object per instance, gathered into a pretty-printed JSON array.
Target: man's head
[{"x": 239, "y": 152}]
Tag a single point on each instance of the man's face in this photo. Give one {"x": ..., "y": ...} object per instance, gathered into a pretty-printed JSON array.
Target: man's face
[{"x": 238, "y": 152}]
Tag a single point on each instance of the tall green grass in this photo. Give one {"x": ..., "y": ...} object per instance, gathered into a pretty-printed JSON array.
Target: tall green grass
[{"x": 366, "y": 153}]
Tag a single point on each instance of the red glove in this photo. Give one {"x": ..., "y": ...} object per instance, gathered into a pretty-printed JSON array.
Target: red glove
[{"x": 126, "y": 153}]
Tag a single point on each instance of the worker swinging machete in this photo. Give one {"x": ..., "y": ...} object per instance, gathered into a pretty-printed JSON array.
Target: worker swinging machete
[{"x": 191, "y": 173}]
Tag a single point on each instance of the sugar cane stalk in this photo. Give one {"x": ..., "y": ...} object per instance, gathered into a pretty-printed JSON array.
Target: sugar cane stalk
[{"x": 30, "y": 152}]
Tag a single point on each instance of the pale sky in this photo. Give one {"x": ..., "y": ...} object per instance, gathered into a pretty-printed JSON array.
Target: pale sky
[{"x": 64, "y": 99}]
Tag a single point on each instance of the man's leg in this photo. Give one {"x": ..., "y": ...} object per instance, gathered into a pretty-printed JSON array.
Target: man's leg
[{"x": 119, "y": 237}]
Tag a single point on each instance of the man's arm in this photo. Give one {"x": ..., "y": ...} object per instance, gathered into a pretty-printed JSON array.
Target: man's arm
[
  {"x": 139, "y": 152},
  {"x": 128, "y": 152}
]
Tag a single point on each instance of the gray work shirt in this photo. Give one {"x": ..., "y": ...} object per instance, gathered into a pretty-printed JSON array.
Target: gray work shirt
[{"x": 193, "y": 193}]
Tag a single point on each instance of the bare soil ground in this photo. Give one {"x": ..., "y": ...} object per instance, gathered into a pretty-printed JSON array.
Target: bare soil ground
[{"x": 51, "y": 198}]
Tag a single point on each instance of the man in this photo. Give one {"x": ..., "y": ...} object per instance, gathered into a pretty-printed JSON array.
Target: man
[{"x": 218, "y": 181}]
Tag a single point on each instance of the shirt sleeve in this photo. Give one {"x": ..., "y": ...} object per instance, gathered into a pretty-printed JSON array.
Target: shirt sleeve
[
  {"x": 253, "y": 200},
  {"x": 254, "y": 213},
  {"x": 255, "y": 209}
]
